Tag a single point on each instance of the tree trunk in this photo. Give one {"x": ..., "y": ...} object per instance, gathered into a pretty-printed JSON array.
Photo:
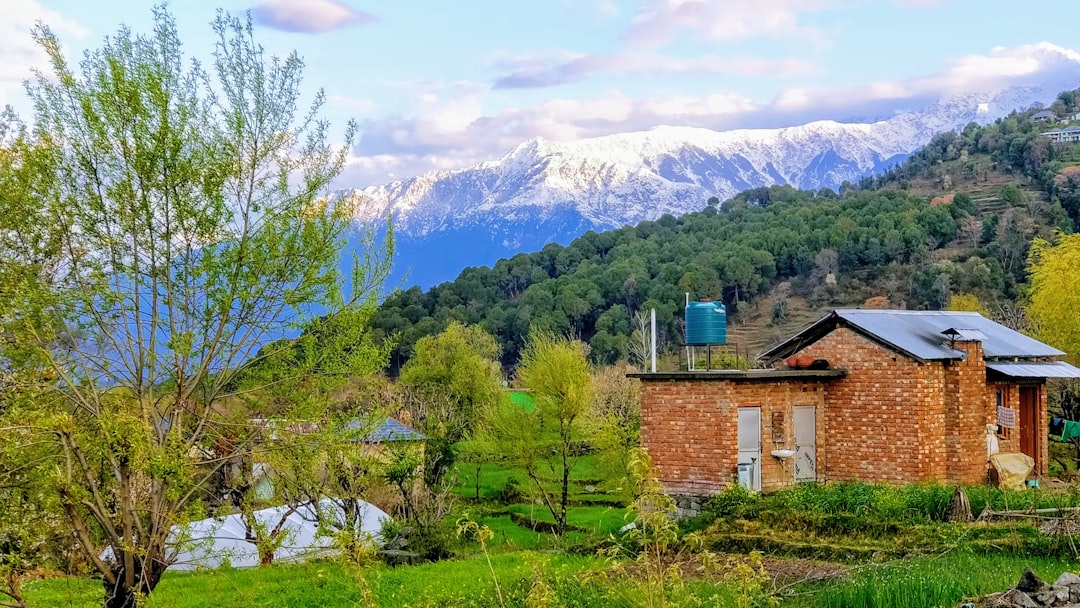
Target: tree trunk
[
  {"x": 266, "y": 557},
  {"x": 959, "y": 507},
  {"x": 121, "y": 596},
  {"x": 565, "y": 498}
]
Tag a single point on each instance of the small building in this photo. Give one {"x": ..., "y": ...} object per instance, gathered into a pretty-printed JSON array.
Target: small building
[
  {"x": 1044, "y": 116},
  {"x": 1068, "y": 134},
  {"x": 890, "y": 396}
]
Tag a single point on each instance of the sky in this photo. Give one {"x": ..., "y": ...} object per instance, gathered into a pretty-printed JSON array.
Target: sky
[{"x": 443, "y": 85}]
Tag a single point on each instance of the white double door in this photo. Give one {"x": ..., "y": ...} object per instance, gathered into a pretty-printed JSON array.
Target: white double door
[{"x": 804, "y": 418}]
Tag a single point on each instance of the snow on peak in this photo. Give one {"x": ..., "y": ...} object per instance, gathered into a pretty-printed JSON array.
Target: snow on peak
[{"x": 624, "y": 178}]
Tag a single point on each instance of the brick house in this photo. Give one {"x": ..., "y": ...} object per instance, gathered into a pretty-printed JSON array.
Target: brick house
[{"x": 905, "y": 396}]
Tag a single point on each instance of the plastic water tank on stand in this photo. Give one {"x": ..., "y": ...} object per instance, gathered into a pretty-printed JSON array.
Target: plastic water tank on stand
[{"x": 706, "y": 325}]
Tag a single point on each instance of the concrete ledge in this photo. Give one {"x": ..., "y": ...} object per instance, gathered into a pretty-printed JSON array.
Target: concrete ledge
[{"x": 741, "y": 375}]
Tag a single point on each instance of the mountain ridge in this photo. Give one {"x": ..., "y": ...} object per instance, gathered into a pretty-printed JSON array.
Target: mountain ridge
[{"x": 544, "y": 191}]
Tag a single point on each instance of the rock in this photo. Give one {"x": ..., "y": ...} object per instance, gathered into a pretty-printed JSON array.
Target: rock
[
  {"x": 1017, "y": 598},
  {"x": 1067, "y": 579},
  {"x": 590, "y": 489},
  {"x": 395, "y": 557},
  {"x": 1029, "y": 582}
]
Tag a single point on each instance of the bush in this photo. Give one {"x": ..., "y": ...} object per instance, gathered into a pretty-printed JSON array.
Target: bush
[
  {"x": 729, "y": 503},
  {"x": 510, "y": 493}
]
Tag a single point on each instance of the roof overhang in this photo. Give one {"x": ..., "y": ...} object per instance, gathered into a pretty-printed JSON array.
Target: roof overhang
[
  {"x": 1031, "y": 369},
  {"x": 748, "y": 375}
]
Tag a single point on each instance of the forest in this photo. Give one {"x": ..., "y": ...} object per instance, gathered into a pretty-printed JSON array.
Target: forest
[{"x": 893, "y": 236}]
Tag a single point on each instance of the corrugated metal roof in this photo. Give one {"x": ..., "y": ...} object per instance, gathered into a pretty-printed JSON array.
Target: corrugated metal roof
[
  {"x": 1052, "y": 369},
  {"x": 387, "y": 430},
  {"x": 919, "y": 332}
]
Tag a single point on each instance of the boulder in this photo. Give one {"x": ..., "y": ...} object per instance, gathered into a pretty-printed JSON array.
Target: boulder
[
  {"x": 1067, "y": 579},
  {"x": 1016, "y": 598},
  {"x": 1030, "y": 582}
]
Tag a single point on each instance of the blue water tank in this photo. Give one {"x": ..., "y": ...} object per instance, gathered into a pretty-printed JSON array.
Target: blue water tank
[{"x": 706, "y": 323}]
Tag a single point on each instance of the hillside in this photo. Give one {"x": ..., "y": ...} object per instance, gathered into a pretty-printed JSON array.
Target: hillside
[{"x": 956, "y": 217}]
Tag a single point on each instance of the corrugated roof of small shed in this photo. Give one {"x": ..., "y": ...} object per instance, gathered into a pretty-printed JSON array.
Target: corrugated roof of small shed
[
  {"x": 1052, "y": 369},
  {"x": 918, "y": 333},
  {"x": 389, "y": 429}
]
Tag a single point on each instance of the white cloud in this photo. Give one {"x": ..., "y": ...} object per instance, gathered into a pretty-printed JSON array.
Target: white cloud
[
  {"x": 659, "y": 21},
  {"x": 307, "y": 16},
  {"x": 17, "y": 48},
  {"x": 534, "y": 72}
]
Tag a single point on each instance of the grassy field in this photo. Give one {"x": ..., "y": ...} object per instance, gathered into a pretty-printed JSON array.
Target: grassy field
[
  {"x": 525, "y": 579},
  {"x": 926, "y": 582},
  {"x": 885, "y": 547}
]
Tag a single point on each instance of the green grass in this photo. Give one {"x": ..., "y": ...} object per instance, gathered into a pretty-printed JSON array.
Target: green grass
[
  {"x": 588, "y": 471},
  {"x": 926, "y": 582},
  {"x": 466, "y": 583},
  {"x": 596, "y": 520}
]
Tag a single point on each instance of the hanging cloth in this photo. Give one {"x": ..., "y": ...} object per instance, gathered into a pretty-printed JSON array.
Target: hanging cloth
[
  {"x": 1071, "y": 431},
  {"x": 1057, "y": 426}
]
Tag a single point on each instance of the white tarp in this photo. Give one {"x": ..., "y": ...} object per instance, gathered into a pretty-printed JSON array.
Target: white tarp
[{"x": 209, "y": 543}]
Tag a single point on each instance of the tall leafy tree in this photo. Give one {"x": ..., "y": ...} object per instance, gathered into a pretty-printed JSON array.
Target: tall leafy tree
[
  {"x": 1055, "y": 273},
  {"x": 455, "y": 380},
  {"x": 544, "y": 440},
  {"x": 177, "y": 224}
]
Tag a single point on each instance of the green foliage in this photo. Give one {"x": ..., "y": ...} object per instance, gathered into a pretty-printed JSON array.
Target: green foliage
[
  {"x": 1055, "y": 273},
  {"x": 173, "y": 222},
  {"x": 613, "y": 424},
  {"x": 730, "y": 502},
  {"x": 454, "y": 379},
  {"x": 735, "y": 255},
  {"x": 544, "y": 442},
  {"x": 929, "y": 581}
]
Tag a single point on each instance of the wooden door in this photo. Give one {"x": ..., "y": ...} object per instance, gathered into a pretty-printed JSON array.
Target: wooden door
[{"x": 1029, "y": 422}]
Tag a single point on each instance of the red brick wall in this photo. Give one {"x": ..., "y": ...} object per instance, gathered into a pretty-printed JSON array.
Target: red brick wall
[
  {"x": 965, "y": 416},
  {"x": 1011, "y": 398},
  {"x": 886, "y": 419},
  {"x": 690, "y": 427},
  {"x": 891, "y": 419}
]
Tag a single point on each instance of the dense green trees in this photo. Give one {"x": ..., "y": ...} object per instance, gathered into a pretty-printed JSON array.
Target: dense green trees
[
  {"x": 454, "y": 380},
  {"x": 593, "y": 287}
]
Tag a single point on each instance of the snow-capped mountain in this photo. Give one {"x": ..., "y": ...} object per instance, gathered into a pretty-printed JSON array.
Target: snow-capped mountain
[{"x": 544, "y": 191}]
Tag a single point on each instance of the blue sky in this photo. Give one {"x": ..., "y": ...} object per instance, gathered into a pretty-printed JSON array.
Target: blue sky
[{"x": 438, "y": 85}]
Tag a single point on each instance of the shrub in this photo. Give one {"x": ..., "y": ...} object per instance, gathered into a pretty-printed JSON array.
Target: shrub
[
  {"x": 729, "y": 503},
  {"x": 510, "y": 493}
]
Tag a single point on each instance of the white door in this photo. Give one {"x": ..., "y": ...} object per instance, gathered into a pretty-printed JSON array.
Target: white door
[
  {"x": 750, "y": 447},
  {"x": 805, "y": 418}
]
